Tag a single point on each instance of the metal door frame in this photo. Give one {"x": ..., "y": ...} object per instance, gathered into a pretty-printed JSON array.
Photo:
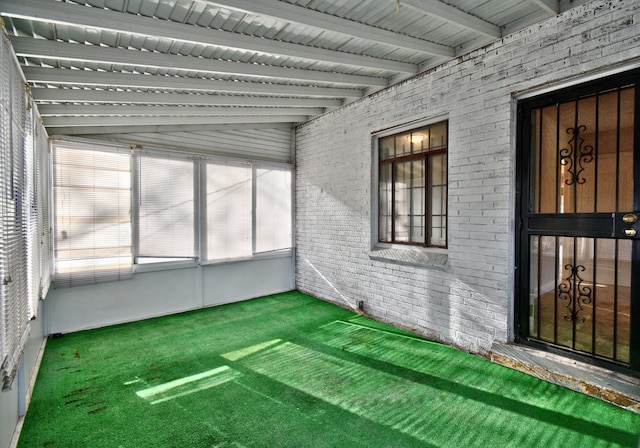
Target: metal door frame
[{"x": 522, "y": 253}]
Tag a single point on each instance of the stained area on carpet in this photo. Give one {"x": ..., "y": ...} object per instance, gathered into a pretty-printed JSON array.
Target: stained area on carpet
[{"x": 292, "y": 371}]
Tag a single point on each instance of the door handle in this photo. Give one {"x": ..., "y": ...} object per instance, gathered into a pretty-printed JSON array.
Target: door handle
[
  {"x": 630, "y": 218},
  {"x": 630, "y": 232}
]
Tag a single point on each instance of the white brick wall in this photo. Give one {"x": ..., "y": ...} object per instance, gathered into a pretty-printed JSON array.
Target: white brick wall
[{"x": 469, "y": 302}]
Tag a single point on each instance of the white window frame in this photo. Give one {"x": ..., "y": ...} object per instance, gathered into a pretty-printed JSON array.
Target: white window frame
[
  {"x": 165, "y": 264},
  {"x": 200, "y": 218}
]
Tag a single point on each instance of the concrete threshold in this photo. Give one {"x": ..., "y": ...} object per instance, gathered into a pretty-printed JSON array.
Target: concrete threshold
[{"x": 613, "y": 387}]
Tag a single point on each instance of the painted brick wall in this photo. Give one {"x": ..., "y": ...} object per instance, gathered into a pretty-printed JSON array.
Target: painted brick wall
[{"x": 468, "y": 302}]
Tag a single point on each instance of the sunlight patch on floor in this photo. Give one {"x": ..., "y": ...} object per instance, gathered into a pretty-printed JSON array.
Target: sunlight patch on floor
[
  {"x": 239, "y": 354},
  {"x": 378, "y": 396},
  {"x": 188, "y": 385},
  {"x": 402, "y": 404}
]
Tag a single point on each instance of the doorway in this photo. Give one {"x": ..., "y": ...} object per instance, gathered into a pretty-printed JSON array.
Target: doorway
[{"x": 578, "y": 232}]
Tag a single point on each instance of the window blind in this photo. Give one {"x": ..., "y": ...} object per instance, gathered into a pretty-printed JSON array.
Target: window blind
[
  {"x": 273, "y": 209},
  {"x": 92, "y": 197},
  {"x": 31, "y": 216},
  {"x": 42, "y": 204},
  {"x": 165, "y": 212},
  {"x": 228, "y": 210},
  {"x": 13, "y": 266},
  {"x": 17, "y": 306},
  {"x": 5, "y": 188},
  {"x": 20, "y": 253}
]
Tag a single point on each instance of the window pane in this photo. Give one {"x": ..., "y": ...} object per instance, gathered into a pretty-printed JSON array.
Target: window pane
[
  {"x": 438, "y": 199},
  {"x": 409, "y": 200},
  {"x": 420, "y": 140},
  {"x": 417, "y": 210},
  {"x": 384, "y": 203},
  {"x": 273, "y": 209},
  {"x": 228, "y": 210},
  {"x": 401, "y": 203},
  {"x": 92, "y": 197},
  {"x": 386, "y": 147},
  {"x": 438, "y": 136},
  {"x": 403, "y": 144},
  {"x": 166, "y": 207}
]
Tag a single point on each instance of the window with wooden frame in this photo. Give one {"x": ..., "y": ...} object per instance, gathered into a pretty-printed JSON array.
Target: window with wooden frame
[{"x": 412, "y": 186}]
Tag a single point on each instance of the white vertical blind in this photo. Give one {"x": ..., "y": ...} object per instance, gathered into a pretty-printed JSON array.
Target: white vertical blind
[
  {"x": 165, "y": 214},
  {"x": 14, "y": 279},
  {"x": 228, "y": 210},
  {"x": 92, "y": 204},
  {"x": 31, "y": 215},
  {"x": 273, "y": 209},
  {"x": 4, "y": 222},
  {"x": 42, "y": 204},
  {"x": 20, "y": 251}
]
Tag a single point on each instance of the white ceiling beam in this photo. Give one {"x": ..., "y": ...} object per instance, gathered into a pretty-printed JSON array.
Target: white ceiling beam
[
  {"x": 303, "y": 16},
  {"x": 550, "y": 7},
  {"x": 51, "y": 122},
  {"x": 454, "y": 15},
  {"x": 95, "y": 78},
  {"x": 41, "y": 94},
  {"x": 52, "y": 11},
  {"x": 191, "y": 111},
  {"x": 120, "y": 130},
  {"x": 42, "y": 48}
]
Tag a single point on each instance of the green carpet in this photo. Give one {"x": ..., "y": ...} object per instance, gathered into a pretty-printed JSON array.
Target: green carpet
[{"x": 291, "y": 371}]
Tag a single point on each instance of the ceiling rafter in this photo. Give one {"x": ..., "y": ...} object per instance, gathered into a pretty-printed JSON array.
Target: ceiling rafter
[
  {"x": 128, "y": 80},
  {"x": 52, "y": 11},
  {"x": 297, "y": 14},
  {"x": 41, "y": 94},
  {"x": 105, "y": 122},
  {"x": 551, "y": 7},
  {"x": 456, "y": 16},
  {"x": 42, "y": 48},
  {"x": 106, "y": 132},
  {"x": 190, "y": 111}
]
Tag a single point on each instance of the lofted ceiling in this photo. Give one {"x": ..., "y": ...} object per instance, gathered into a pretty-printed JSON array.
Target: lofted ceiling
[{"x": 138, "y": 67}]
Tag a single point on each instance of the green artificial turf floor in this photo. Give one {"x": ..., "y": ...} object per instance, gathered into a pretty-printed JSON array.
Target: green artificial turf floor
[{"x": 292, "y": 371}]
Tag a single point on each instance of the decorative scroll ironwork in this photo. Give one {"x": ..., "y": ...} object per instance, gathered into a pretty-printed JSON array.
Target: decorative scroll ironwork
[
  {"x": 572, "y": 291},
  {"x": 576, "y": 156}
]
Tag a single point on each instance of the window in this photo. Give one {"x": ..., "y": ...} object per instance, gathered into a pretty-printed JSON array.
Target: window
[
  {"x": 412, "y": 186},
  {"x": 247, "y": 209},
  {"x": 228, "y": 210},
  {"x": 273, "y": 209},
  {"x": 185, "y": 209},
  {"x": 165, "y": 209},
  {"x": 92, "y": 210}
]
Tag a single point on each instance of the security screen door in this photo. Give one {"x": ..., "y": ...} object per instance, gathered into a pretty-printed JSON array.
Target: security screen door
[{"x": 579, "y": 237}]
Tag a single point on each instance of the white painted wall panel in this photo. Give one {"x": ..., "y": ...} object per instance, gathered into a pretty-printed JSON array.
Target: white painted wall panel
[
  {"x": 157, "y": 293},
  {"x": 12, "y": 400},
  {"x": 226, "y": 283}
]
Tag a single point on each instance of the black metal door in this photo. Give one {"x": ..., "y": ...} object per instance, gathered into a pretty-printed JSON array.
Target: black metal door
[{"x": 578, "y": 245}]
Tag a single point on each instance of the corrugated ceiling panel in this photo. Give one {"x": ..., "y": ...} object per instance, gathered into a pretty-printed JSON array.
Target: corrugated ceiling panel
[
  {"x": 254, "y": 53},
  {"x": 273, "y": 144}
]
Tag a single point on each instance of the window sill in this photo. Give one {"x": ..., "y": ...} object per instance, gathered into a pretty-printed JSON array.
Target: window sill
[
  {"x": 411, "y": 256},
  {"x": 165, "y": 266},
  {"x": 284, "y": 253}
]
